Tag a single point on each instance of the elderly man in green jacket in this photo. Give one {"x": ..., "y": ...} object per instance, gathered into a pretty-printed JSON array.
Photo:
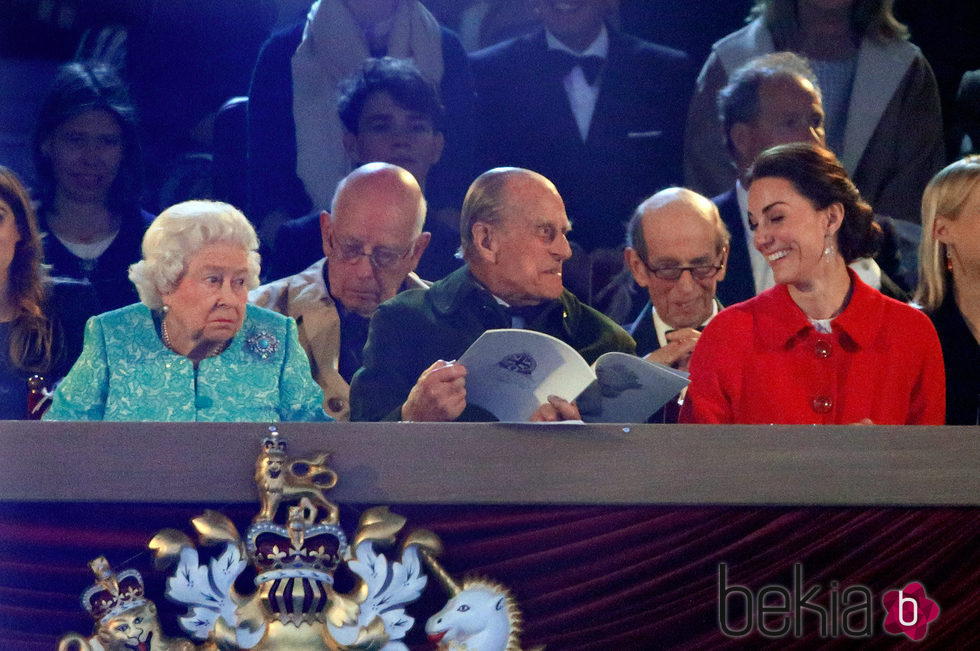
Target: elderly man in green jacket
[{"x": 513, "y": 230}]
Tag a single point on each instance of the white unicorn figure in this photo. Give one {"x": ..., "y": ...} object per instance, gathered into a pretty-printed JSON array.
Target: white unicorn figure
[{"x": 480, "y": 615}]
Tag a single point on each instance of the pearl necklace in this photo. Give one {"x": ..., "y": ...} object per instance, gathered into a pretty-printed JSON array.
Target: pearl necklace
[{"x": 216, "y": 349}]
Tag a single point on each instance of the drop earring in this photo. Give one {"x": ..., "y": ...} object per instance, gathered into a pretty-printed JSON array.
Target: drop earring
[{"x": 829, "y": 250}]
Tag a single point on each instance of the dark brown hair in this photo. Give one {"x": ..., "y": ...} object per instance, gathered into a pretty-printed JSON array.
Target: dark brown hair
[
  {"x": 79, "y": 88},
  {"x": 817, "y": 175},
  {"x": 397, "y": 77},
  {"x": 30, "y": 332}
]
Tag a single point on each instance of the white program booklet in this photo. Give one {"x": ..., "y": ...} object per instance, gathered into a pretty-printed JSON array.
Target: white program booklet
[
  {"x": 511, "y": 372},
  {"x": 629, "y": 389}
]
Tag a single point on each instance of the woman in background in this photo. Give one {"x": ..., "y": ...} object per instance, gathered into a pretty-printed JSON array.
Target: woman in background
[
  {"x": 821, "y": 347},
  {"x": 878, "y": 92},
  {"x": 949, "y": 281},
  {"x": 41, "y": 319},
  {"x": 193, "y": 349},
  {"x": 89, "y": 167}
]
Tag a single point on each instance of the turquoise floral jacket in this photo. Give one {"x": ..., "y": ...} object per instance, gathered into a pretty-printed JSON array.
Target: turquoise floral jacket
[{"x": 125, "y": 373}]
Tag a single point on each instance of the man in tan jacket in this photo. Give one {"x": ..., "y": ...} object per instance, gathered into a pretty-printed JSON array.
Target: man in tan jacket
[{"x": 372, "y": 241}]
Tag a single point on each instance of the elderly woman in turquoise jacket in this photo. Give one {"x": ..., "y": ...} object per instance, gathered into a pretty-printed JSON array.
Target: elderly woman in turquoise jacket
[{"x": 192, "y": 349}]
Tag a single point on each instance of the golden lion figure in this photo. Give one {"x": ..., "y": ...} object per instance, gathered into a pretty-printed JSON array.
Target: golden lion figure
[
  {"x": 126, "y": 632},
  {"x": 279, "y": 477},
  {"x": 124, "y": 619}
]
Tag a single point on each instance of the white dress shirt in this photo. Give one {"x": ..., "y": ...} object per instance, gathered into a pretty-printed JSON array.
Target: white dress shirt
[
  {"x": 581, "y": 96},
  {"x": 662, "y": 327},
  {"x": 761, "y": 271}
]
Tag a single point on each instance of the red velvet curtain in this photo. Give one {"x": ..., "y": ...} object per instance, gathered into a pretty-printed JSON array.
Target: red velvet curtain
[{"x": 589, "y": 577}]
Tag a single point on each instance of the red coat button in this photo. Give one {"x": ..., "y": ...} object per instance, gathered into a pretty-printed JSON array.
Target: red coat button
[
  {"x": 821, "y": 404},
  {"x": 822, "y": 349}
]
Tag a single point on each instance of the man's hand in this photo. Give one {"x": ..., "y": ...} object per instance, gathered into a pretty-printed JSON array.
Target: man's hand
[
  {"x": 554, "y": 410},
  {"x": 677, "y": 352},
  {"x": 438, "y": 395}
]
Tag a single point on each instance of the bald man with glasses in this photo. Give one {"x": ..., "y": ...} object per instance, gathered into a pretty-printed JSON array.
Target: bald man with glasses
[
  {"x": 677, "y": 250},
  {"x": 372, "y": 241}
]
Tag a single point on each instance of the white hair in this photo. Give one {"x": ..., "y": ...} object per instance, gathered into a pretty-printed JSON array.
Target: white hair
[{"x": 177, "y": 234}]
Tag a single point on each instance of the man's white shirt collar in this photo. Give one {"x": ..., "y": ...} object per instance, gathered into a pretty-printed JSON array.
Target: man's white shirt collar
[
  {"x": 662, "y": 327},
  {"x": 761, "y": 271},
  {"x": 599, "y": 47}
]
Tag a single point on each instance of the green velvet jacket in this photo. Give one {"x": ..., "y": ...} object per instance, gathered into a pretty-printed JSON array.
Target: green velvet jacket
[{"x": 418, "y": 327}]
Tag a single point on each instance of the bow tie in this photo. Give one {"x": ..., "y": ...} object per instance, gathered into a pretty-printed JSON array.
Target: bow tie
[{"x": 564, "y": 62}]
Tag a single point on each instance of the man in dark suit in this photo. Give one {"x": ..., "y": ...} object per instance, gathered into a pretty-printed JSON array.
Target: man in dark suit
[
  {"x": 598, "y": 112},
  {"x": 772, "y": 100},
  {"x": 276, "y": 192},
  {"x": 677, "y": 248}
]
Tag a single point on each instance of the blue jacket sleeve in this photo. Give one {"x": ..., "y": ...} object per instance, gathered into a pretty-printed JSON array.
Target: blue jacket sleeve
[
  {"x": 300, "y": 397},
  {"x": 82, "y": 394}
]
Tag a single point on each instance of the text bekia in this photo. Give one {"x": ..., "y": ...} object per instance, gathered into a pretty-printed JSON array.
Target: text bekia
[{"x": 776, "y": 611}]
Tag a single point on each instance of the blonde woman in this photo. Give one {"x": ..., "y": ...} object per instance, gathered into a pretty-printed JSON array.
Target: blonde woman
[{"x": 949, "y": 281}]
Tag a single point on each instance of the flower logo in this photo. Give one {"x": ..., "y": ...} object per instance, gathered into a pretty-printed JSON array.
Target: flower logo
[{"x": 909, "y": 611}]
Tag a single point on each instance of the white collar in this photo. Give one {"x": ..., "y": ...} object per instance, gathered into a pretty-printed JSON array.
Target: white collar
[
  {"x": 662, "y": 327},
  {"x": 599, "y": 47},
  {"x": 743, "y": 203}
]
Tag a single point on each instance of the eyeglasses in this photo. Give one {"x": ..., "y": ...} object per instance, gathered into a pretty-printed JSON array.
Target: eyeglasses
[
  {"x": 698, "y": 272},
  {"x": 380, "y": 257}
]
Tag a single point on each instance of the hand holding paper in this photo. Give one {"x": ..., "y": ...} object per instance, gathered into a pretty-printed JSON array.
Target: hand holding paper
[
  {"x": 514, "y": 374},
  {"x": 555, "y": 410},
  {"x": 439, "y": 394}
]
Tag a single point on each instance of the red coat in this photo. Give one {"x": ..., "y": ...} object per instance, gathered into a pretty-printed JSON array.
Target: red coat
[{"x": 762, "y": 361}]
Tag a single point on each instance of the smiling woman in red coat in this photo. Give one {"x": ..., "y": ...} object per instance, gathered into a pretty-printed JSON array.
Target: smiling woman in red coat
[{"x": 821, "y": 346}]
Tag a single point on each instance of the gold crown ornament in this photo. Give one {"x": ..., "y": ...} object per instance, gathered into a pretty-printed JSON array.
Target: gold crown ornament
[
  {"x": 293, "y": 553},
  {"x": 125, "y": 620},
  {"x": 294, "y": 557}
]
